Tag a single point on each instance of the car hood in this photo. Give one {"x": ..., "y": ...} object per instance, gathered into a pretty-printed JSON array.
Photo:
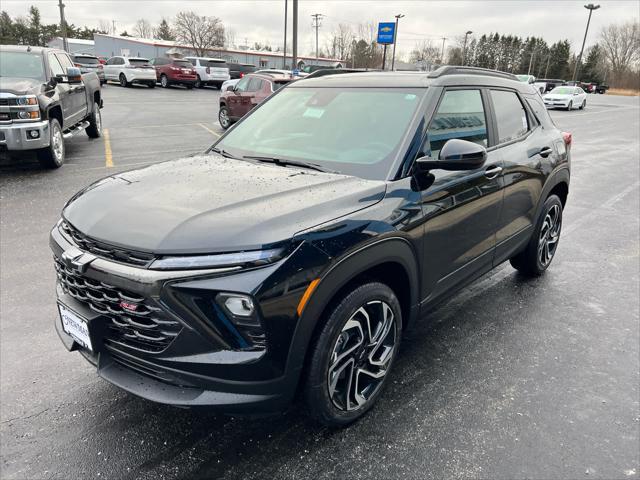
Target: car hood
[
  {"x": 557, "y": 97},
  {"x": 208, "y": 204},
  {"x": 20, "y": 86}
]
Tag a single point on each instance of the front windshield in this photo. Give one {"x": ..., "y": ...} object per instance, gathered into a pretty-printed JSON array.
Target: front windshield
[
  {"x": 355, "y": 131},
  {"x": 562, "y": 91},
  {"x": 21, "y": 65}
]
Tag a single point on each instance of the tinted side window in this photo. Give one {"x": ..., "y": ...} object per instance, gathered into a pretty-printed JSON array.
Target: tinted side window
[
  {"x": 65, "y": 61},
  {"x": 111, "y": 61},
  {"x": 460, "y": 115},
  {"x": 242, "y": 85},
  {"x": 510, "y": 115},
  {"x": 54, "y": 64},
  {"x": 254, "y": 85}
]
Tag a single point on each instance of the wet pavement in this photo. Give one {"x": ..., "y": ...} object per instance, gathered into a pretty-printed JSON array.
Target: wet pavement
[{"x": 512, "y": 378}]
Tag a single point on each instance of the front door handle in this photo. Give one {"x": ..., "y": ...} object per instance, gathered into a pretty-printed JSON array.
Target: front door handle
[
  {"x": 492, "y": 172},
  {"x": 545, "y": 152}
]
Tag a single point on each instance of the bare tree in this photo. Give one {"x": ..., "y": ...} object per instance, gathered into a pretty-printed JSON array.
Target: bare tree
[
  {"x": 200, "y": 32},
  {"x": 621, "y": 45},
  {"x": 106, "y": 26},
  {"x": 340, "y": 42},
  {"x": 143, "y": 29},
  {"x": 229, "y": 37},
  {"x": 425, "y": 52}
]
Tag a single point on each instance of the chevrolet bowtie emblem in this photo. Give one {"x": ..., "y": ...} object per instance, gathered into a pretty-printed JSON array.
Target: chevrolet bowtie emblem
[{"x": 76, "y": 259}]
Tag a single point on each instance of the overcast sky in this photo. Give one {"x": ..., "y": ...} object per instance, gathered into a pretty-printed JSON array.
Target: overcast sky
[{"x": 262, "y": 20}]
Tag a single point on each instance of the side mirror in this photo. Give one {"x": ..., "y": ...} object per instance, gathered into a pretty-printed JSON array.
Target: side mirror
[
  {"x": 455, "y": 155},
  {"x": 74, "y": 76},
  {"x": 576, "y": 93}
]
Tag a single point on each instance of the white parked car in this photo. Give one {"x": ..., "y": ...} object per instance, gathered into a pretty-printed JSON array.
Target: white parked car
[
  {"x": 211, "y": 71},
  {"x": 128, "y": 70},
  {"x": 566, "y": 97}
]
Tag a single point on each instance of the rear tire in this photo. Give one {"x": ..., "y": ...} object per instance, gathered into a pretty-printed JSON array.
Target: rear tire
[
  {"x": 584, "y": 104},
  {"x": 353, "y": 355},
  {"x": 53, "y": 155},
  {"x": 199, "y": 83},
  {"x": 151, "y": 84},
  {"x": 94, "y": 130},
  {"x": 123, "y": 81},
  {"x": 534, "y": 260},
  {"x": 223, "y": 117}
]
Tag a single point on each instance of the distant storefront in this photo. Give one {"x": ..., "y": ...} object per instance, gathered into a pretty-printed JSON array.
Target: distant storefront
[{"x": 111, "y": 45}]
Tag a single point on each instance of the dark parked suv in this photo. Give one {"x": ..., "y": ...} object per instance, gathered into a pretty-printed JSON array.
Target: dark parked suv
[{"x": 293, "y": 253}]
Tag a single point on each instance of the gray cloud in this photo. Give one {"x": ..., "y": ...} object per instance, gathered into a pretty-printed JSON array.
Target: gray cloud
[{"x": 262, "y": 20}]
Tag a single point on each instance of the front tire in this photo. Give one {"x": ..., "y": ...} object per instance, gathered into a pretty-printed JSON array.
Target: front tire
[
  {"x": 94, "y": 130},
  {"x": 534, "y": 260},
  {"x": 164, "y": 81},
  {"x": 151, "y": 84},
  {"x": 570, "y": 106},
  {"x": 353, "y": 354},
  {"x": 53, "y": 155},
  {"x": 223, "y": 117}
]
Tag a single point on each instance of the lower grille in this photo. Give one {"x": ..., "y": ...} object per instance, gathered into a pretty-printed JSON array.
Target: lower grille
[{"x": 143, "y": 325}]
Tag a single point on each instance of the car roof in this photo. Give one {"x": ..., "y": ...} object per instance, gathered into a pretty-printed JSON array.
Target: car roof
[
  {"x": 443, "y": 77},
  {"x": 276, "y": 77},
  {"x": 27, "y": 48}
]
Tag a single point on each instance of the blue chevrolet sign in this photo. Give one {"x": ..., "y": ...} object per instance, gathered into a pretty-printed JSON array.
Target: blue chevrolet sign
[{"x": 386, "y": 33}]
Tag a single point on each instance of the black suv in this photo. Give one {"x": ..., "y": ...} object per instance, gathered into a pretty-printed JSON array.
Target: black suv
[{"x": 294, "y": 252}]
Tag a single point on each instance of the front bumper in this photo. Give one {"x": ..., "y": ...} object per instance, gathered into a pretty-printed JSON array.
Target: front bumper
[
  {"x": 556, "y": 103},
  {"x": 16, "y": 136},
  {"x": 201, "y": 366}
]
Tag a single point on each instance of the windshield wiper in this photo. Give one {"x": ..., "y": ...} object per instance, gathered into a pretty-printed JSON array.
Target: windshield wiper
[
  {"x": 293, "y": 163},
  {"x": 222, "y": 152}
]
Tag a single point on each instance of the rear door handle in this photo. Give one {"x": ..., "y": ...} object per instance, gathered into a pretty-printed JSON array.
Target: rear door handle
[
  {"x": 545, "y": 152},
  {"x": 493, "y": 171}
]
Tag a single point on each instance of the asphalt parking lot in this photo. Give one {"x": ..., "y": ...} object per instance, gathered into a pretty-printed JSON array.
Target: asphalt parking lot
[{"x": 512, "y": 378}]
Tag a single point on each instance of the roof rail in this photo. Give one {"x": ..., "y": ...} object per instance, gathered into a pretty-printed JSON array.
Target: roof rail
[{"x": 458, "y": 70}]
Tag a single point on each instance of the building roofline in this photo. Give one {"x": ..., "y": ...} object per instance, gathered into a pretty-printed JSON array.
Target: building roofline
[{"x": 169, "y": 43}]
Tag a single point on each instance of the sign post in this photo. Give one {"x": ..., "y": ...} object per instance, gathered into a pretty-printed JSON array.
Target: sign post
[{"x": 386, "y": 36}]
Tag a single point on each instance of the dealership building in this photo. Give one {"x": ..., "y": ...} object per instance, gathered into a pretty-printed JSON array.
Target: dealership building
[{"x": 112, "y": 45}]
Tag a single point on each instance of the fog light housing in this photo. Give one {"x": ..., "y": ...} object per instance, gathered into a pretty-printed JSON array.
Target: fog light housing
[
  {"x": 34, "y": 134},
  {"x": 241, "y": 308}
]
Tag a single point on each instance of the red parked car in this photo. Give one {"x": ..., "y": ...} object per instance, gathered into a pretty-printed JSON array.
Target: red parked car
[
  {"x": 174, "y": 71},
  {"x": 250, "y": 91}
]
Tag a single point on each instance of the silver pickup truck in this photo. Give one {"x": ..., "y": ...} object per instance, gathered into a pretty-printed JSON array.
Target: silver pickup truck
[{"x": 44, "y": 100}]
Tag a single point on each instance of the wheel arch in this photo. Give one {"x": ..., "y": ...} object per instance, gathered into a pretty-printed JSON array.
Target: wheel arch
[
  {"x": 391, "y": 261},
  {"x": 557, "y": 184},
  {"x": 55, "y": 111}
]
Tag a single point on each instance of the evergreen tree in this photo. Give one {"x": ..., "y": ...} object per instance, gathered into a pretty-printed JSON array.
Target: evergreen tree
[{"x": 163, "y": 32}]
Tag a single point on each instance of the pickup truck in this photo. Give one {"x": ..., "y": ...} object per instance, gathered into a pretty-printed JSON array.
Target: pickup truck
[{"x": 44, "y": 100}]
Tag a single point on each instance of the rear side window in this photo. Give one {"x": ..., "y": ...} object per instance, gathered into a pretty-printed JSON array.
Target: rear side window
[
  {"x": 138, "y": 61},
  {"x": 539, "y": 110},
  {"x": 461, "y": 114},
  {"x": 254, "y": 85},
  {"x": 510, "y": 115},
  {"x": 193, "y": 61}
]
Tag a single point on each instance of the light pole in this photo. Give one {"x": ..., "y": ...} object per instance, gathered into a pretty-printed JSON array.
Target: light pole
[
  {"x": 395, "y": 38},
  {"x": 284, "y": 49},
  {"x": 444, "y": 39},
  {"x": 591, "y": 7},
  {"x": 464, "y": 49},
  {"x": 316, "y": 24}
]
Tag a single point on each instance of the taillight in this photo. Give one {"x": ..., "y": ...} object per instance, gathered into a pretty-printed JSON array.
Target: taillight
[
  {"x": 208, "y": 70},
  {"x": 568, "y": 138},
  {"x": 241, "y": 74}
]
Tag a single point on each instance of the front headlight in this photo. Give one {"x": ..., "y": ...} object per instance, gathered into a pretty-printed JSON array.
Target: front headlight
[
  {"x": 239, "y": 259},
  {"x": 28, "y": 100},
  {"x": 28, "y": 115}
]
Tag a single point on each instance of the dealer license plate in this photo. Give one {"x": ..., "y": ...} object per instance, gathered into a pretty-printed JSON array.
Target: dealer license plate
[{"x": 75, "y": 326}]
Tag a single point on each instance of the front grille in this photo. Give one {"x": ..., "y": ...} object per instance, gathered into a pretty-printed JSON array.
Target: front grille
[
  {"x": 146, "y": 328},
  {"x": 101, "y": 249}
]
